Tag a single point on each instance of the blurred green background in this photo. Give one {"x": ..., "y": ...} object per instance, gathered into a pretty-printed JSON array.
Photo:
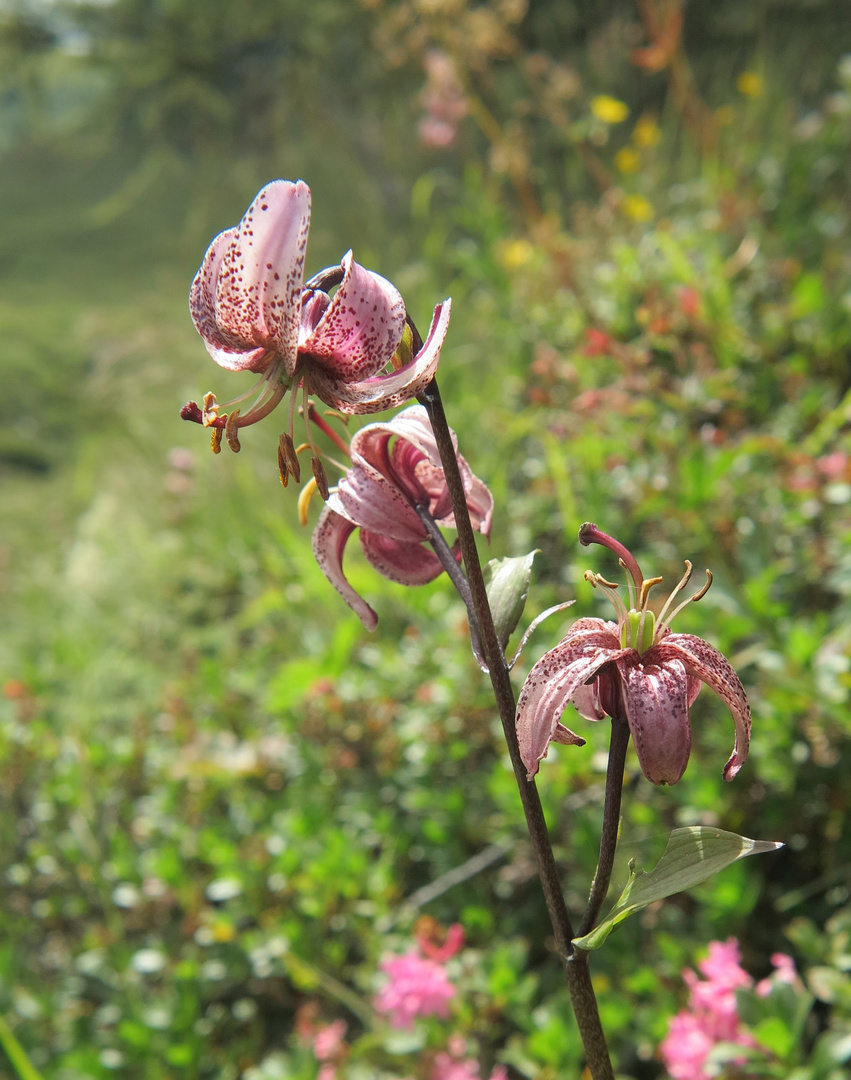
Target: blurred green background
[{"x": 216, "y": 790}]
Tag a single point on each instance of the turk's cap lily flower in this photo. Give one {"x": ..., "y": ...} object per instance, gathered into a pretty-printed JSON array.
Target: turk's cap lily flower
[
  {"x": 250, "y": 304},
  {"x": 635, "y": 669},
  {"x": 395, "y": 469}
]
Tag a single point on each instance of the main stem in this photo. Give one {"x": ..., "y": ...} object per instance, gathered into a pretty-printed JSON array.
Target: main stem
[{"x": 574, "y": 961}]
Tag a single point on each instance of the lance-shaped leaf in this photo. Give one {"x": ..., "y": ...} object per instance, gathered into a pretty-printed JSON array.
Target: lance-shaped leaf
[
  {"x": 507, "y": 583},
  {"x": 692, "y": 855}
]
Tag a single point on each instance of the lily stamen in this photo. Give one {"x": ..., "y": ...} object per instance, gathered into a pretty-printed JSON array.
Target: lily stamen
[
  {"x": 304, "y": 497},
  {"x": 264, "y": 378},
  {"x": 230, "y": 431},
  {"x": 691, "y": 600},
  {"x": 609, "y": 587},
  {"x": 638, "y": 672},
  {"x": 646, "y": 586},
  {"x": 684, "y": 580}
]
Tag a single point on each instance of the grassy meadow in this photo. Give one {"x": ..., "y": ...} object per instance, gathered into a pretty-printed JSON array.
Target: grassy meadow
[{"x": 222, "y": 802}]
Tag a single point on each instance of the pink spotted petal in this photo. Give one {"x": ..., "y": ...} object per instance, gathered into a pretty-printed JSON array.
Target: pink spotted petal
[
  {"x": 202, "y": 297},
  {"x": 386, "y": 391},
  {"x": 479, "y": 501},
  {"x": 586, "y": 701},
  {"x": 552, "y": 683},
  {"x": 259, "y": 280},
  {"x": 228, "y": 350},
  {"x": 373, "y": 502},
  {"x": 399, "y": 561},
  {"x": 414, "y": 448},
  {"x": 703, "y": 661},
  {"x": 329, "y": 541},
  {"x": 361, "y": 329},
  {"x": 656, "y": 702},
  {"x": 411, "y": 425}
]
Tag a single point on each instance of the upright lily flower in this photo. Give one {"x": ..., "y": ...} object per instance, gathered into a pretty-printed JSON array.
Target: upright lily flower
[
  {"x": 635, "y": 669},
  {"x": 250, "y": 305},
  {"x": 395, "y": 469}
]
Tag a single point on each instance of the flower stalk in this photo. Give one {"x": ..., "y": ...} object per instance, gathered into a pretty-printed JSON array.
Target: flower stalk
[
  {"x": 611, "y": 821},
  {"x": 574, "y": 961}
]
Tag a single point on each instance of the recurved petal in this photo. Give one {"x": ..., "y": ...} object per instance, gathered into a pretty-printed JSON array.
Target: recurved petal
[
  {"x": 362, "y": 327},
  {"x": 400, "y": 561},
  {"x": 656, "y": 701},
  {"x": 329, "y": 542},
  {"x": 478, "y": 495},
  {"x": 256, "y": 360},
  {"x": 386, "y": 391},
  {"x": 202, "y": 297},
  {"x": 705, "y": 662},
  {"x": 370, "y": 500},
  {"x": 586, "y": 701},
  {"x": 259, "y": 281},
  {"x": 551, "y": 684},
  {"x": 411, "y": 424}
]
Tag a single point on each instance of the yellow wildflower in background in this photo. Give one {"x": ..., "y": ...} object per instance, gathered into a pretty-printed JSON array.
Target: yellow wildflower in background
[
  {"x": 609, "y": 109},
  {"x": 637, "y": 208},
  {"x": 646, "y": 132},
  {"x": 750, "y": 84},
  {"x": 514, "y": 254},
  {"x": 627, "y": 160}
]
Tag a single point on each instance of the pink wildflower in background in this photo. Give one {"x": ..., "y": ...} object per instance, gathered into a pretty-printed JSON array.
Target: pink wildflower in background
[
  {"x": 416, "y": 987},
  {"x": 443, "y": 101},
  {"x": 448, "y": 1068},
  {"x": 429, "y": 933},
  {"x": 784, "y": 972},
  {"x": 328, "y": 1040},
  {"x": 711, "y": 1017}
]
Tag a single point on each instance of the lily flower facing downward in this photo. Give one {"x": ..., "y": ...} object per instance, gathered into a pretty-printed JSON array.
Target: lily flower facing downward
[
  {"x": 395, "y": 470},
  {"x": 251, "y": 306},
  {"x": 635, "y": 669}
]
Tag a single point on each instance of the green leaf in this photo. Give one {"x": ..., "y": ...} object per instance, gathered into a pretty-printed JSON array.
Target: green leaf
[
  {"x": 16, "y": 1054},
  {"x": 692, "y": 855},
  {"x": 507, "y": 582}
]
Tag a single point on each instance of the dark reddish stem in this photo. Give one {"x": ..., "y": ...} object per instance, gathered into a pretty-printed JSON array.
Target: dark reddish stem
[
  {"x": 611, "y": 821},
  {"x": 574, "y": 961}
]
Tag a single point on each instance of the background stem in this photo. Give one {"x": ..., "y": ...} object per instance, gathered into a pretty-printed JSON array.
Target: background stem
[{"x": 574, "y": 962}]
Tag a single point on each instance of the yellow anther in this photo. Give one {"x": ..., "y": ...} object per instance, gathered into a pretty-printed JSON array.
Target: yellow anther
[
  {"x": 231, "y": 431},
  {"x": 210, "y": 412},
  {"x": 216, "y": 440},
  {"x": 304, "y": 497},
  {"x": 646, "y": 586},
  {"x": 705, "y": 589}
]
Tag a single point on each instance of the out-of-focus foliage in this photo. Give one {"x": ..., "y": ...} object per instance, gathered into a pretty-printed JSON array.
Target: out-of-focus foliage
[{"x": 217, "y": 791}]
